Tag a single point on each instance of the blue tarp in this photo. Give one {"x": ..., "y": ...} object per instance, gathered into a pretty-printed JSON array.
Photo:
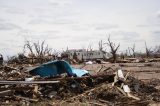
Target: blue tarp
[{"x": 57, "y": 67}]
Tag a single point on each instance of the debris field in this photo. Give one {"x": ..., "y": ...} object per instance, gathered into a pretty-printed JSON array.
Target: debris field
[{"x": 105, "y": 84}]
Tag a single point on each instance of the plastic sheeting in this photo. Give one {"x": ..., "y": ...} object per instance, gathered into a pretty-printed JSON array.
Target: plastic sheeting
[{"x": 55, "y": 68}]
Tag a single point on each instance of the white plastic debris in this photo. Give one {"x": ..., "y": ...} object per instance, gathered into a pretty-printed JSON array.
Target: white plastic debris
[
  {"x": 89, "y": 62},
  {"x": 120, "y": 74},
  {"x": 126, "y": 88},
  {"x": 29, "y": 79},
  {"x": 59, "y": 55}
]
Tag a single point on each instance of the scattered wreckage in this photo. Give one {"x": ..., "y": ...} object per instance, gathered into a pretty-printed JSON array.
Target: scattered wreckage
[{"x": 58, "y": 83}]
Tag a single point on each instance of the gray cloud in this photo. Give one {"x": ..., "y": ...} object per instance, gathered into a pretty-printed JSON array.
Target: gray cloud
[
  {"x": 1, "y": 20},
  {"x": 105, "y": 26},
  {"x": 143, "y": 25},
  {"x": 153, "y": 21},
  {"x": 41, "y": 35},
  {"x": 60, "y": 2},
  {"x": 8, "y": 26},
  {"x": 156, "y": 36},
  {"x": 156, "y": 32},
  {"x": 158, "y": 14},
  {"x": 5, "y": 44},
  {"x": 149, "y": 25},
  {"x": 15, "y": 11},
  {"x": 82, "y": 38},
  {"x": 125, "y": 36},
  {"x": 95, "y": 26},
  {"x": 79, "y": 27},
  {"x": 51, "y": 21}
]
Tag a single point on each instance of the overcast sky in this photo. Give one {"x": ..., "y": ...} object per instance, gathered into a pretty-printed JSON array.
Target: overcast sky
[{"x": 78, "y": 23}]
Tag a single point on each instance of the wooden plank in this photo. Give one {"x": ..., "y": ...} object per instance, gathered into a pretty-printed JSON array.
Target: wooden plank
[
  {"x": 28, "y": 99},
  {"x": 83, "y": 77},
  {"x": 6, "y": 93},
  {"x": 51, "y": 81},
  {"x": 27, "y": 82}
]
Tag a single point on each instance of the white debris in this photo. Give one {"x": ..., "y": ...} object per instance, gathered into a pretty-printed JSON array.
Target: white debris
[
  {"x": 59, "y": 55},
  {"x": 89, "y": 62},
  {"x": 120, "y": 74},
  {"x": 29, "y": 79},
  {"x": 126, "y": 88}
]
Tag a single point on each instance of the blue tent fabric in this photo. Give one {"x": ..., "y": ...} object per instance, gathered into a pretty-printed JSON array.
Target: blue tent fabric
[
  {"x": 57, "y": 67},
  {"x": 79, "y": 72}
]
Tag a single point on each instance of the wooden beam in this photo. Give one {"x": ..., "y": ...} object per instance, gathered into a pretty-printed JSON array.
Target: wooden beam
[
  {"x": 27, "y": 82},
  {"x": 6, "y": 93}
]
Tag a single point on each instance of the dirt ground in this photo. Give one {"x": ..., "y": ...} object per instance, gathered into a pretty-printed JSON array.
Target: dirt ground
[
  {"x": 148, "y": 73},
  {"x": 142, "y": 71}
]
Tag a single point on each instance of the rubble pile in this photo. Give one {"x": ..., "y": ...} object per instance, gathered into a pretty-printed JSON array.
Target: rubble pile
[
  {"x": 19, "y": 87},
  {"x": 12, "y": 73}
]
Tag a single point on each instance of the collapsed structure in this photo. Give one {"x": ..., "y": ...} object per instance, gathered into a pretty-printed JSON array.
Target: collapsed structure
[{"x": 57, "y": 83}]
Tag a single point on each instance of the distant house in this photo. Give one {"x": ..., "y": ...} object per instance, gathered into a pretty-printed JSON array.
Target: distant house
[{"x": 82, "y": 54}]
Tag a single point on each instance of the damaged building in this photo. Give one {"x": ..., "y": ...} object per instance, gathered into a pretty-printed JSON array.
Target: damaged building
[{"x": 83, "y": 54}]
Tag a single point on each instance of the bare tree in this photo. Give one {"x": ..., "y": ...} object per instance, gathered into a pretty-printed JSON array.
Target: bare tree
[
  {"x": 148, "y": 51},
  {"x": 28, "y": 46},
  {"x": 129, "y": 52},
  {"x": 100, "y": 45},
  {"x": 113, "y": 49},
  {"x": 133, "y": 50},
  {"x": 41, "y": 49},
  {"x": 157, "y": 51},
  {"x": 126, "y": 53},
  {"x": 89, "y": 51},
  {"x": 89, "y": 47},
  {"x": 101, "y": 48},
  {"x": 38, "y": 50}
]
